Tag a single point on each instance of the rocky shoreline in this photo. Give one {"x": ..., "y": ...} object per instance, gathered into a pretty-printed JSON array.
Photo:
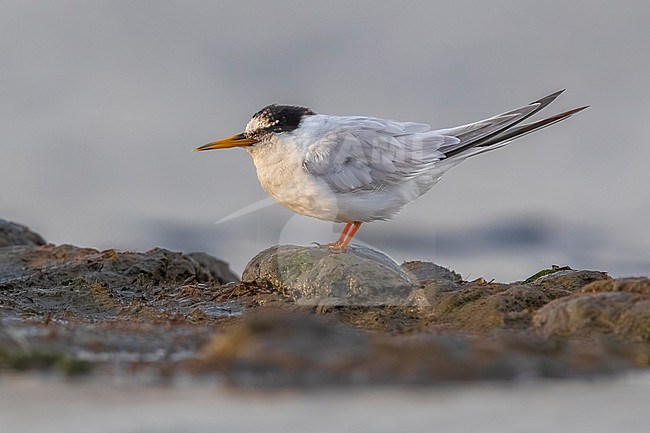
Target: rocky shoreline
[{"x": 302, "y": 316}]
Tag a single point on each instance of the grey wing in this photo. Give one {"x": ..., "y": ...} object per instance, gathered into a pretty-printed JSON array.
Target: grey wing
[{"x": 368, "y": 153}]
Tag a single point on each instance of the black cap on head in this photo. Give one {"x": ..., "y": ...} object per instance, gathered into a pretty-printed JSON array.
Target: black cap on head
[{"x": 277, "y": 118}]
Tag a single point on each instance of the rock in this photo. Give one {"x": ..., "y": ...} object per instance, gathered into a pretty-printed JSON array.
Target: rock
[
  {"x": 15, "y": 234},
  {"x": 365, "y": 289},
  {"x": 481, "y": 306},
  {"x": 67, "y": 262},
  {"x": 548, "y": 271},
  {"x": 83, "y": 282},
  {"x": 631, "y": 285},
  {"x": 306, "y": 350},
  {"x": 569, "y": 280},
  {"x": 314, "y": 275},
  {"x": 427, "y": 272},
  {"x": 288, "y": 349},
  {"x": 305, "y": 316},
  {"x": 617, "y": 306},
  {"x": 218, "y": 269}
]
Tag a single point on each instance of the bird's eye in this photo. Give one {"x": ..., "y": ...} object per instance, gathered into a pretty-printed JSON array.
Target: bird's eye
[{"x": 277, "y": 129}]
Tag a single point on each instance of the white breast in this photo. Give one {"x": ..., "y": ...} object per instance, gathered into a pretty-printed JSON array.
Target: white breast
[{"x": 281, "y": 174}]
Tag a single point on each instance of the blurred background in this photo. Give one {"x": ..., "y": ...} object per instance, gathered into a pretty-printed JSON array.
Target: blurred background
[{"x": 103, "y": 101}]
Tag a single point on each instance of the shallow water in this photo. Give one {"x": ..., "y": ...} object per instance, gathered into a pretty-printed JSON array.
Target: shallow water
[{"x": 29, "y": 404}]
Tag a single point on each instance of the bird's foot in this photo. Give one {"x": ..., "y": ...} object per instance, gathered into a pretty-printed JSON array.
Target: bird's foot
[{"x": 336, "y": 248}]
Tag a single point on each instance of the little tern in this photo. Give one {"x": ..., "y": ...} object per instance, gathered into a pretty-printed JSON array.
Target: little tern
[{"x": 356, "y": 169}]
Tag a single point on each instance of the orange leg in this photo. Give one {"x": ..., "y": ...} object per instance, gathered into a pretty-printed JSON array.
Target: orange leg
[
  {"x": 342, "y": 243},
  {"x": 341, "y": 238}
]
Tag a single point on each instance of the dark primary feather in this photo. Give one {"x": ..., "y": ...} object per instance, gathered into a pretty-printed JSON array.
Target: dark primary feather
[
  {"x": 494, "y": 130},
  {"x": 520, "y": 131}
]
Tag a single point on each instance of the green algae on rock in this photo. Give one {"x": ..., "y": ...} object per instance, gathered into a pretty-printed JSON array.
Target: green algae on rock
[
  {"x": 570, "y": 280},
  {"x": 551, "y": 270}
]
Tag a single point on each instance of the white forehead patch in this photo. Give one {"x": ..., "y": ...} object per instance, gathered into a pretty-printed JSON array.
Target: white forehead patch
[{"x": 261, "y": 121}]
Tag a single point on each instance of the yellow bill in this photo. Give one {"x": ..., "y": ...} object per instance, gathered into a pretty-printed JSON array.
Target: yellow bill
[{"x": 238, "y": 140}]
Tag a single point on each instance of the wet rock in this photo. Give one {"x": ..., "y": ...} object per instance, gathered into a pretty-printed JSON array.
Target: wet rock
[
  {"x": 302, "y": 350},
  {"x": 67, "y": 309},
  {"x": 55, "y": 264},
  {"x": 616, "y": 306},
  {"x": 305, "y": 316},
  {"x": 82, "y": 282},
  {"x": 365, "y": 289},
  {"x": 295, "y": 349},
  {"x": 16, "y": 234},
  {"x": 388, "y": 318},
  {"x": 314, "y": 275}
]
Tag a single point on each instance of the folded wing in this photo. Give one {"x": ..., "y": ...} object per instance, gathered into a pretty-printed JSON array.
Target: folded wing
[{"x": 364, "y": 153}]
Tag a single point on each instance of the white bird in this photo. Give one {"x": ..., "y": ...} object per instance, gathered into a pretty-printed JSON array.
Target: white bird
[{"x": 356, "y": 169}]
